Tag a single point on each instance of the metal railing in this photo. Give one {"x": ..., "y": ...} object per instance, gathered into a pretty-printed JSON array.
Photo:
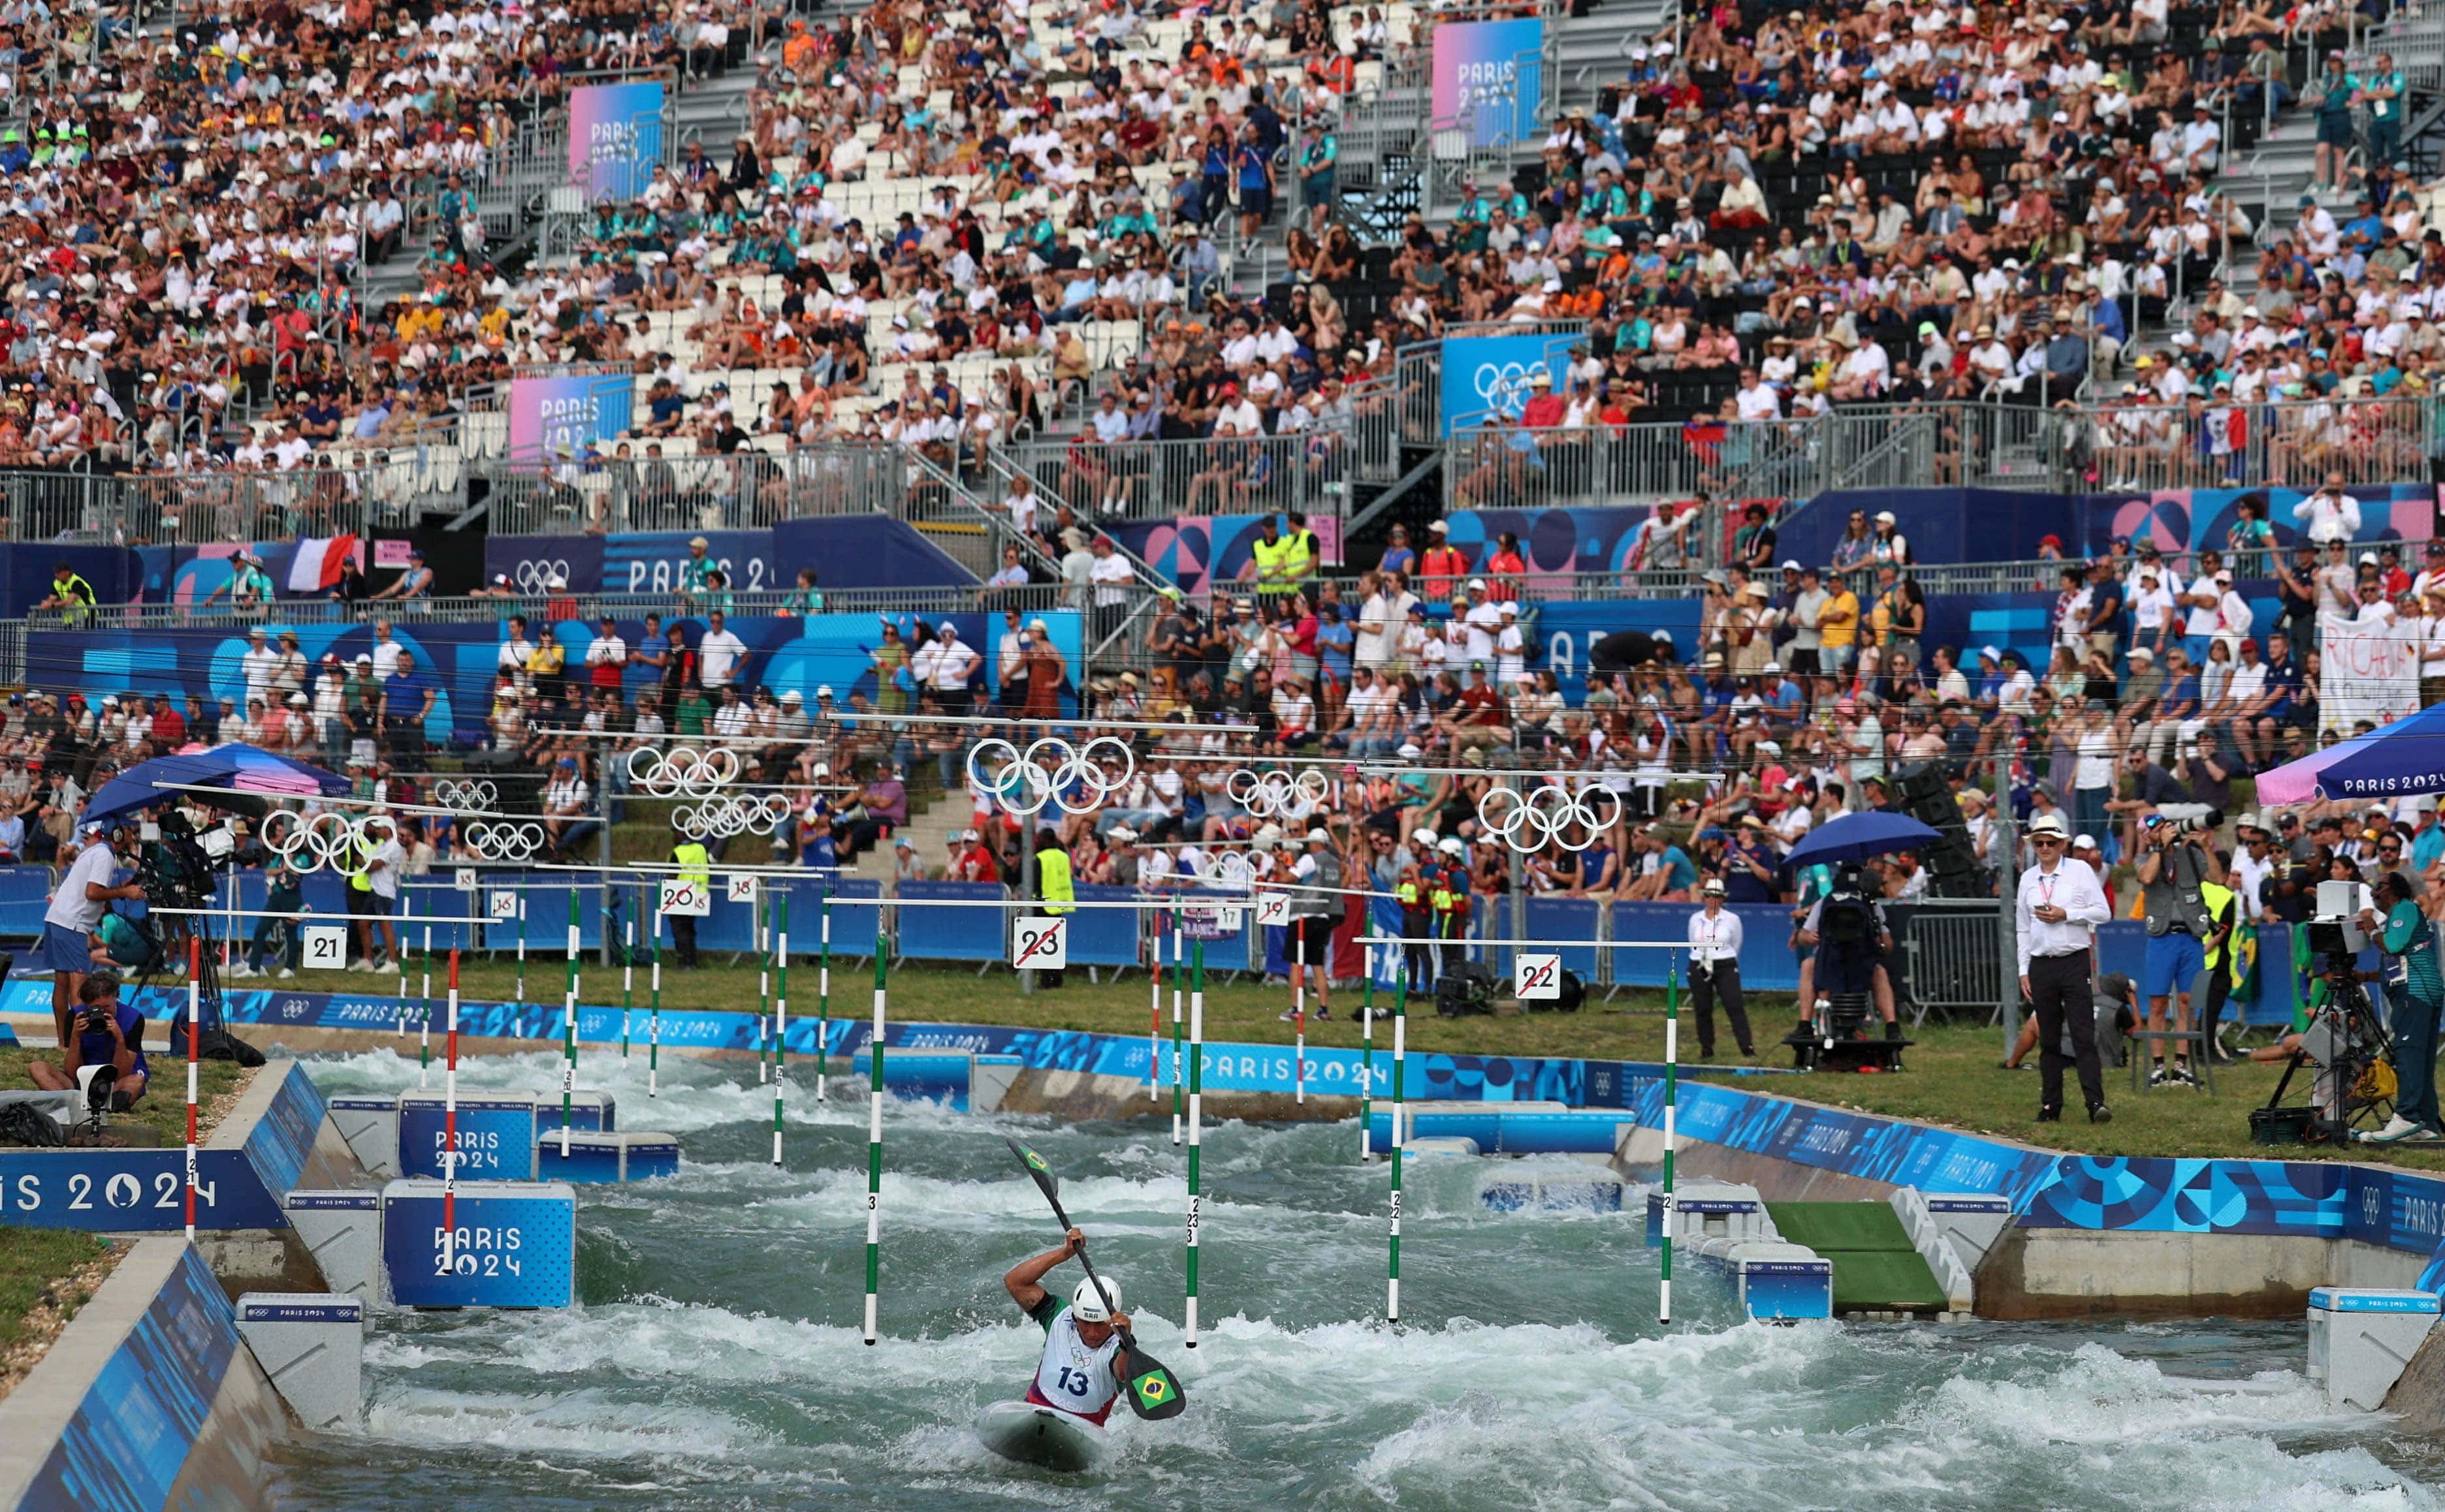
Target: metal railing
[{"x": 1146, "y": 479}]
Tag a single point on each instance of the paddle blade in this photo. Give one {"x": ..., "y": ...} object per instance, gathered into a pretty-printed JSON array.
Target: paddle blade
[
  {"x": 1153, "y": 1392},
  {"x": 1040, "y": 1170}
]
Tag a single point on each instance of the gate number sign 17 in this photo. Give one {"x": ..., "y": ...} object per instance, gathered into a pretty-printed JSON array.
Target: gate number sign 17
[
  {"x": 1040, "y": 945},
  {"x": 1536, "y": 977}
]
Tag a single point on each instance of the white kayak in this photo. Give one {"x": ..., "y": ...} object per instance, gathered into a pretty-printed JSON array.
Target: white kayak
[{"x": 1042, "y": 1435}]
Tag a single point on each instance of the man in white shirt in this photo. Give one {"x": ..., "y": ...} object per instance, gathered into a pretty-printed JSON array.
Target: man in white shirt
[
  {"x": 257, "y": 665},
  {"x": 386, "y": 652},
  {"x": 2332, "y": 514},
  {"x": 74, "y": 913},
  {"x": 944, "y": 664},
  {"x": 1715, "y": 970},
  {"x": 720, "y": 656},
  {"x": 2059, "y": 908}
]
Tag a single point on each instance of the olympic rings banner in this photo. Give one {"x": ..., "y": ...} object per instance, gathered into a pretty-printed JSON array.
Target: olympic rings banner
[
  {"x": 782, "y": 653},
  {"x": 1495, "y": 374},
  {"x": 632, "y": 561}
]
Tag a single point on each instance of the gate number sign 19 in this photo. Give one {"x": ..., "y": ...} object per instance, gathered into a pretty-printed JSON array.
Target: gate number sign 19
[
  {"x": 326, "y": 947},
  {"x": 1272, "y": 909},
  {"x": 686, "y": 896},
  {"x": 1536, "y": 977},
  {"x": 1040, "y": 945}
]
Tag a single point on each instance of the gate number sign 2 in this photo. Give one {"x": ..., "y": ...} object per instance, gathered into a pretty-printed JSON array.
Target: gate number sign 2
[
  {"x": 1040, "y": 945},
  {"x": 1536, "y": 977}
]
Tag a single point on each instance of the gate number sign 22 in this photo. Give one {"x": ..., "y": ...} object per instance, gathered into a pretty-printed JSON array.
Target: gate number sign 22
[{"x": 1536, "y": 977}]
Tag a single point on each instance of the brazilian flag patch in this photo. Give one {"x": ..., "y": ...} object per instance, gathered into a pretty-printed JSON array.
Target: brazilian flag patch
[{"x": 1152, "y": 1391}]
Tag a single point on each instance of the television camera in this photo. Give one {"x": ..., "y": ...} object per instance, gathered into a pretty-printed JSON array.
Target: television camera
[{"x": 2346, "y": 1045}]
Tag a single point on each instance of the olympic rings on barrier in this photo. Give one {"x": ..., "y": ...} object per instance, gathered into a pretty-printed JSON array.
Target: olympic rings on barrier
[
  {"x": 503, "y": 839},
  {"x": 310, "y": 843},
  {"x": 682, "y": 771},
  {"x": 1549, "y": 813},
  {"x": 737, "y": 813},
  {"x": 466, "y": 795},
  {"x": 1049, "y": 770},
  {"x": 1277, "y": 794},
  {"x": 1232, "y": 872}
]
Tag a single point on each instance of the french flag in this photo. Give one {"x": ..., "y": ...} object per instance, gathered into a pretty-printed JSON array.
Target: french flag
[{"x": 315, "y": 568}]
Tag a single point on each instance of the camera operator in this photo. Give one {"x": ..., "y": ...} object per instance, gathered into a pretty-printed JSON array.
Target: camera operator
[
  {"x": 2418, "y": 991},
  {"x": 2178, "y": 860},
  {"x": 75, "y": 912},
  {"x": 1846, "y": 927},
  {"x": 107, "y": 1033},
  {"x": 2058, "y": 911},
  {"x": 1715, "y": 970}
]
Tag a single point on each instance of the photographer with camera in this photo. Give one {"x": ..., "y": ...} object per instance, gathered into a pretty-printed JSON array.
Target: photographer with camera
[
  {"x": 1847, "y": 939},
  {"x": 2178, "y": 860},
  {"x": 84, "y": 893},
  {"x": 107, "y": 1033},
  {"x": 2417, "y": 989},
  {"x": 2057, "y": 910},
  {"x": 1715, "y": 970}
]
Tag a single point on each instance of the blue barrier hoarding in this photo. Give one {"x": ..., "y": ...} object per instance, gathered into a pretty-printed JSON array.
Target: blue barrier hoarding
[
  {"x": 497, "y": 1135},
  {"x": 1484, "y": 375},
  {"x": 510, "y": 1244}
]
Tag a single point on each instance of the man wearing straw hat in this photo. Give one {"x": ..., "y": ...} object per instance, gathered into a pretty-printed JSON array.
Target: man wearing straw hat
[{"x": 2057, "y": 910}]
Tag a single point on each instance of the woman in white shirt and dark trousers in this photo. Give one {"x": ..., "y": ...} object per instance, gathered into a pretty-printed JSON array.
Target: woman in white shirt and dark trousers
[
  {"x": 1715, "y": 970},
  {"x": 2058, "y": 911}
]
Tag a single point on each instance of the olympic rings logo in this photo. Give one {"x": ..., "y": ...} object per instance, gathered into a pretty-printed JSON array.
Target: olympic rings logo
[
  {"x": 683, "y": 771},
  {"x": 534, "y": 576},
  {"x": 1505, "y": 385},
  {"x": 733, "y": 814},
  {"x": 1232, "y": 872},
  {"x": 1049, "y": 769},
  {"x": 1277, "y": 794},
  {"x": 503, "y": 840},
  {"x": 473, "y": 794},
  {"x": 310, "y": 843},
  {"x": 1548, "y": 815}
]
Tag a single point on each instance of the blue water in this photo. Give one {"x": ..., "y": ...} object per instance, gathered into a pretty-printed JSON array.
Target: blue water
[{"x": 716, "y": 1359}]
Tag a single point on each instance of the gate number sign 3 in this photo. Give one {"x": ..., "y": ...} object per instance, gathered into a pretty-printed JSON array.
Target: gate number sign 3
[
  {"x": 686, "y": 897},
  {"x": 1536, "y": 977},
  {"x": 1040, "y": 945},
  {"x": 325, "y": 946}
]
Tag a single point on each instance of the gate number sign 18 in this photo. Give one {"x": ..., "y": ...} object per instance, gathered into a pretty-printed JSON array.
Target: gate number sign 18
[
  {"x": 742, "y": 889},
  {"x": 1536, "y": 977},
  {"x": 1040, "y": 945}
]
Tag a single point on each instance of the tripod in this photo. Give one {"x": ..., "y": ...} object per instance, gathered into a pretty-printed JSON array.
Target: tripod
[
  {"x": 2349, "y": 1050},
  {"x": 214, "y": 1040}
]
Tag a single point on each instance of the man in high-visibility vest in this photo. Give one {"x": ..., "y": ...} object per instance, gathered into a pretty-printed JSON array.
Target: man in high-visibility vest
[
  {"x": 1418, "y": 920},
  {"x": 1271, "y": 556},
  {"x": 1054, "y": 887},
  {"x": 695, "y": 865},
  {"x": 1449, "y": 896},
  {"x": 1305, "y": 554},
  {"x": 71, "y": 595}
]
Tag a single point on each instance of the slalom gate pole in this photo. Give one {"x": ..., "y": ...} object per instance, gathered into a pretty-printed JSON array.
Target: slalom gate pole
[
  {"x": 1178, "y": 969},
  {"x": 195, "y": 1028},
  {"x": 1671, "y": 1093},
  {"x": 763, "y": 986},
  {"x": 1400, "y": 1052},
  {"x": 1298, "y": 1011},
  {"x": 568, "y": 1027},
  {"x": 627, "y": 978},
  {"x": 424, "y": 1007},
  {"x": 1366, "y": 1061},
  {"x": 824, "y": 998},
  {"x": 1154, "y": 1016},
  {"x": 522, "y": 949},
  {"x": 450, "y": 1126},
  {"x": 407, "y": 912},
  {"x": 874, "y": 1137},
  {"x": 780, "y": 1011},
  {"x": 1196, "y": 1119},
  {"x": 654, "y": 1019}
]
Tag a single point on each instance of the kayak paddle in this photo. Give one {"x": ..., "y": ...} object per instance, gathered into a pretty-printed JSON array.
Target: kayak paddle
[{"x": 1153, "y": 1391}]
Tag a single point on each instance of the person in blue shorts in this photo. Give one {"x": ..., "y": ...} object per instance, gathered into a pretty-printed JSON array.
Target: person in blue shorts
[
  {"x": 84, "y": 893},
  {"x": 107, "y": 1033}
]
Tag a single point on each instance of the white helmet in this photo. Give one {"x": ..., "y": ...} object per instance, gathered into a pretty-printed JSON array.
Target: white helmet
[
  {"x": 1452, "y": 847},
  {"x": 1423, "y": 839},
  {"x": 1089, "y": 1307}
]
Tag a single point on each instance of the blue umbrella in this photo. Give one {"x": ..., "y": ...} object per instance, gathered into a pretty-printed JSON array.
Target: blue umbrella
[
  {"x": 1858, "y": 836},
  {"x": 239, "y": 768},
  {"x": 2402, "y": 760}
]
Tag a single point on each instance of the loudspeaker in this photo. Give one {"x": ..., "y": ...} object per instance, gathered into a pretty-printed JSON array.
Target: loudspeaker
[{"x": 1921, "y": 791}]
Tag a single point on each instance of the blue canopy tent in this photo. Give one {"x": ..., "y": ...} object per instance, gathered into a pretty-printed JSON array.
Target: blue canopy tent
[
  {"x": 2404, "y": 759},
  {"x": 238, "y": 767}
]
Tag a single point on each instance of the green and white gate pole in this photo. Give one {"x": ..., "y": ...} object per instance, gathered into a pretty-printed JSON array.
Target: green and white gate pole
[
  {"x": 780, "y": 1011},
  {"x": 408, "y": 913},
  {"x": 568, "y": 1026},
  {"x": 1672, "y": 1095},
  {"x": 629, "y": 970},
  {"x": 759, "y": 921},
  {"x": 654, "y": 1016},
  {"x": 1196, "y": 1117},
  {"x": 874, "y": 1136},
  {"x": 824, "y": 998},
  {"x": 1178, "y": 967},
  {"x": 522, "y": 947},
  {"x": 1154, "y": 1016},
  {"x": 1367, "y": 1058},
  {"x": 1400, "y": 1052}
]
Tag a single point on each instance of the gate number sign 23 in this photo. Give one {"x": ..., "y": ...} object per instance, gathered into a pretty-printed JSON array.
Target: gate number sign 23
[
  {"x": 1536, "y": 977},
  {"x": 1040, "y": 945}
]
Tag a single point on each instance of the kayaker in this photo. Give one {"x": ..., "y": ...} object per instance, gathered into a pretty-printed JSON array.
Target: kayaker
[{"x": 1083, "y": 1364}]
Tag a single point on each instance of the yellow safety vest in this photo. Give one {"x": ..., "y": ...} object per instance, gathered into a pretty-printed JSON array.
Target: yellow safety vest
[
  {"x": 2218, "y": 900},
  {"x": 1272, "y": 556},
  {"x": 695, "y": 864},
  {"x": 1406, "y": 891},
  {"x": 1052, "y": 880},
  {"x": 83, "y": 592},
  {"x": 1298, "y": 558},
  {"x": 361, "y": 879}
]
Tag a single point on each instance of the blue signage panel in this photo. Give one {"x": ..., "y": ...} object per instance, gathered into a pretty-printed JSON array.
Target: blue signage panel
[
  {"x": 496, "y": 1136},
  {"x": 510, "y": 1244},
  {"x": 132, "y": 1191}
]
